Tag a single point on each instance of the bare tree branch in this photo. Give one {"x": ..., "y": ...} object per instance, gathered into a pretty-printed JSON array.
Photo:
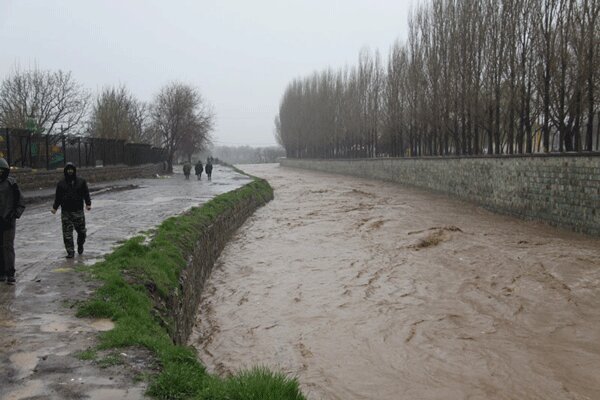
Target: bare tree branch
[{"x": 48, "y": 98}]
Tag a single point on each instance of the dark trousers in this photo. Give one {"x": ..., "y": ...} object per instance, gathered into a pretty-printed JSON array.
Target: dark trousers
[
  {"x": 7, "y": 252},
  {"x": 73, "y": 220}
]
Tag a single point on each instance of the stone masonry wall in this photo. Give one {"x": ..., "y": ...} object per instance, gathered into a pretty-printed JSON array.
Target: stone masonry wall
[
  {"x": 184, "y": 304},
  {"x": 41, "y": 179},
  {"x": 560, "y": 190}
]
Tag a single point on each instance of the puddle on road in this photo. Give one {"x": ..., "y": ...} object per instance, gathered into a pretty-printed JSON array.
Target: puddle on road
[
  {"x": 30, "y": 389},
  {"x": 91, "y": 261},
  {"x": 103, "y": 325},
  {"x": 116, "y": 394},
  {"x": 34, "y": 389},
  {"x": 56, "y": 326},
  {"x": 24, "y": 363},
  {"x": 61, "y": 270},
  {"x": 100, "y": 381},
  {"x": 6, "y": 315},
  {"x": 5, "y": 323}
]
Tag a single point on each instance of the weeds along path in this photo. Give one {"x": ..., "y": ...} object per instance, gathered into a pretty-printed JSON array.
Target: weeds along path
[{"x": 369, "y": 290}]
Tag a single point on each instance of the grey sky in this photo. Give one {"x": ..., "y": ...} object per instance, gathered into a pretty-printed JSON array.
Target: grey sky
[{"x": 240, "y": 54}]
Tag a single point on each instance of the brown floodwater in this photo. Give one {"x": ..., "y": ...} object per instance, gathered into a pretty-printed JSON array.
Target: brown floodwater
[{"x": 370, "y": 290}]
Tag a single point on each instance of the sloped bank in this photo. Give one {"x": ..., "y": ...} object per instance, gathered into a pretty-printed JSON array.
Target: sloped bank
[{"x": 151, "y": 290}]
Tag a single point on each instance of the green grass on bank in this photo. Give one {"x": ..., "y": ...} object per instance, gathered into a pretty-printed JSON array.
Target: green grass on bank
[{"x": 137, "y": 279}]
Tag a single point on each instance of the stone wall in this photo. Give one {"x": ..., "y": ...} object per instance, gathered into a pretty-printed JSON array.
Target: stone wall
[
  {"x": 184, "y": 304},
  {"x": 561, "y": 190},
  {"x": 40, "y": 179}
]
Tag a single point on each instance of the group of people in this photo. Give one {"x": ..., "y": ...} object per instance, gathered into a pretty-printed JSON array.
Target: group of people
[
  {"x": 198, "y": 169},
  {"x": 71, "y": 195}
]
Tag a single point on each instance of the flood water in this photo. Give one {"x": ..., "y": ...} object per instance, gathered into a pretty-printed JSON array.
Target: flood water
[{"x": 371, "y": 290}]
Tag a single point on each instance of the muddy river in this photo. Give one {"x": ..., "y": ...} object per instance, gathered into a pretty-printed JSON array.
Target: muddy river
[{"x": 370, "y": 290}]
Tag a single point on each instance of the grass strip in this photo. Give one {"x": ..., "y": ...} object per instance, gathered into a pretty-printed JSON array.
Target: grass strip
[{"x": 138, "y": 276}]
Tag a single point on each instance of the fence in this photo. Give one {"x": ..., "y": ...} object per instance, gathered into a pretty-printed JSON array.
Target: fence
[{"x": 23, "y": 148}]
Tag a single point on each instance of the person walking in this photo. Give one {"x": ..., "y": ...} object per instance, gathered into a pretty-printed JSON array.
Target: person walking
[
  {"x": 187, "y": 168},
  {"x": 208, "y": 169},
  {"x": 198, "y": 168},
  {"x": 12, "y": 206},
  {"x": 71, "y": 194}
]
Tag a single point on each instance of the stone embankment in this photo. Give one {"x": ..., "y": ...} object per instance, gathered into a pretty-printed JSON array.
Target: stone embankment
[
  {"x": 562, "y": 190},
  {"x": 213, "y": 238},
  {"x": 29, "y": 179}
]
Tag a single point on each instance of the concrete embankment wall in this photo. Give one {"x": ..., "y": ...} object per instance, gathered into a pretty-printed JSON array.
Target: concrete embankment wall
[
  {"x": 561, "y": 190},
  {"x": 41, "y": 179},
  {"x": 184, "y": 303}
]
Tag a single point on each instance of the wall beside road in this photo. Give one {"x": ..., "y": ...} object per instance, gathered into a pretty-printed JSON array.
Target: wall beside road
[
  {"x": 29, "y": 179},
  {"x": 561, "y": 190}
]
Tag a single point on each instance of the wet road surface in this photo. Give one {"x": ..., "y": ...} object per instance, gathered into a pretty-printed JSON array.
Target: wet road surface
[
  {"x": 370, "y": 290},
  {"x": 39, "y": 334}
]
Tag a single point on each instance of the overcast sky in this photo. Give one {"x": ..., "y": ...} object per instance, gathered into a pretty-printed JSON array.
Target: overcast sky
[{"x": 239, "y": 54}]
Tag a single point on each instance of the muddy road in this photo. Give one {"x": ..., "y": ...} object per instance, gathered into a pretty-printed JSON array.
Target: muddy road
[
  {"x": 40, "y": 336},
  {"x": 370, "y": 290}
]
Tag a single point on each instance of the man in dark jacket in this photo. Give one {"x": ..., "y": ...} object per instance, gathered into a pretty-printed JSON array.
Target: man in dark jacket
[
  {"x": 71, "y": 193},
  {"x": 209, "y": 168},
  {"x": 11, "y": 208},
  {"x": 199, "y": 170},
  {"x": 187, "y": 168}
]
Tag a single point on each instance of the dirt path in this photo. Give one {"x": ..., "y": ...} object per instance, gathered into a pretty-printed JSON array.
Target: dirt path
[
  {"x": 39, "y": 334},
  {"x": 369, "y": 290}
]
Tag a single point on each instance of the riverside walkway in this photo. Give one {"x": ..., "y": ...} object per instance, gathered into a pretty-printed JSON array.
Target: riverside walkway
[{"x": 39, "y": 334}]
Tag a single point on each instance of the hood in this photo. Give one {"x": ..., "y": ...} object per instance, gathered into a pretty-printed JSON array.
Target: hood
[
  {"x": 70, "y": 165},
  {"x": 4, "y": 170}
]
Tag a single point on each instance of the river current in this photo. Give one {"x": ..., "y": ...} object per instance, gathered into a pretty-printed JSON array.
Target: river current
[{"x": 371, "y": 290}]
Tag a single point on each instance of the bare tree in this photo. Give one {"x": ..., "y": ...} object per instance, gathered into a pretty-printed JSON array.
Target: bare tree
[
  {"x": 566, "y": 89},
  {"x": 547, "y": 15},
  {"x": 180, "y": 117},
  {"x": 590, "y": 16},
  {"x": 526, "y": 80},
  {"x": 48, "y": 98},
  {"x": 474, "y": 76},
  {"x": 117, "y": 114},
  {"x": 197, "y": 137},
  {"x": 139, "y": 121},
  {"x": 394, "y": 104}
]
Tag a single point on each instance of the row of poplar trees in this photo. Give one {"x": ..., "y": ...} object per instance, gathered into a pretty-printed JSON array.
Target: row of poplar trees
[{"x": 473, "y": 77}]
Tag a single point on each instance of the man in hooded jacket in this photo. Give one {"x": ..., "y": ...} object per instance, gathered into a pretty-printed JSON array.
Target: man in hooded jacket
[
  {"x": 71, "y": 193},
  {"x": 11, "y": 208},
  {"x": 198, "y": 169},
  {"x": 209, "y": 168}
]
